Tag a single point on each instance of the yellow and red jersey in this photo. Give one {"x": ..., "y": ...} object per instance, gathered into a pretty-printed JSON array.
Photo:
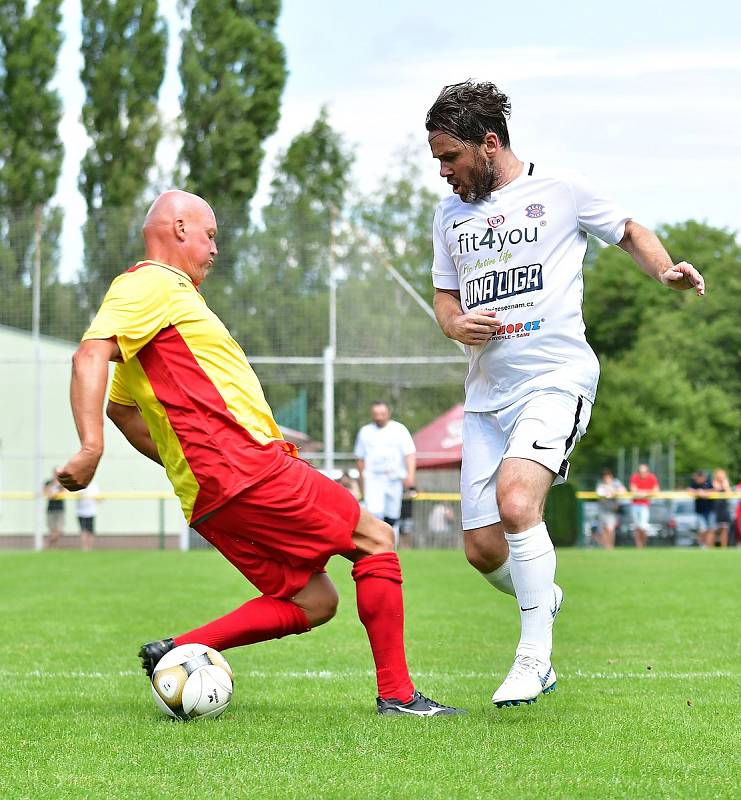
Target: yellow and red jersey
[{"x": 200, "y": 398}]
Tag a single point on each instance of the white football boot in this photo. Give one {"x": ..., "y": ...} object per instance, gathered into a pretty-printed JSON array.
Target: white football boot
[
  {"x": 526, "y": 681},
  {"x": 528, "y": 678}
]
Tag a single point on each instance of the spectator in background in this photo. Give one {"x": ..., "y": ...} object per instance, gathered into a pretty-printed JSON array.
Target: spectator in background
[
  {"x": 643, "y": 484},
  {"x": 722, "y": 506},
  {"x": 609, "y": 507},
  {"x": 700, "y": 486},
  {"x": 441, "y": 519},
  {"x": 386, "y": 462},
  {"x": 87, "y": 508},
  {"x": 54, "y": 510},
  {"x": 737, "y": 520}
]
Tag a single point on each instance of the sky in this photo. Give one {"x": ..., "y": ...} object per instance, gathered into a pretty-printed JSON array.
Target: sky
[{"x": 644, "y": 96}]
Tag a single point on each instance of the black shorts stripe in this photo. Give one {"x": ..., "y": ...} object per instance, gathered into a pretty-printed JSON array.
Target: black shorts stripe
[
  {"x": 570, "y": 440},
  {"x": 532, "y": 167}
]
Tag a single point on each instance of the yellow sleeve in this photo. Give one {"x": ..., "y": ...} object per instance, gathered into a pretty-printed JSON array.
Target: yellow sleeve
[
  {"x": 134, "y": 310},
  {"x": 119, "y": 393}
]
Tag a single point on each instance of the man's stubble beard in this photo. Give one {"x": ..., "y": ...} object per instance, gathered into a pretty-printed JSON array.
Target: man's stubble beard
[{"x": 485, "y": 178}]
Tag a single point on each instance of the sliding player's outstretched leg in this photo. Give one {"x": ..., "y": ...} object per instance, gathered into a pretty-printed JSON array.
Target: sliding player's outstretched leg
[{"x": 378, "y": 580}]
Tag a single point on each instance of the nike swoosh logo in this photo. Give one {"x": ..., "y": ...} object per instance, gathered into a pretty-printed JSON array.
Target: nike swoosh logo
[
  {"x": 536, "y": 446},
  {"x": 456, "y": 223},
  {"x": 430, "y": 713},
  {"x": 532, "y": 608}
]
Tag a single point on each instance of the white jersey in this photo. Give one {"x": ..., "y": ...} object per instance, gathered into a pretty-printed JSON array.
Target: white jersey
[
  {"x": 384, "y": 449},
  {"x": 519, "y": 252},
  {"x": 87, "y": 505}
]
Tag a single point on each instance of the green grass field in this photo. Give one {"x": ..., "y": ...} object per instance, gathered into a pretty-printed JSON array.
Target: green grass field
[{"x": 648, "y": 702}]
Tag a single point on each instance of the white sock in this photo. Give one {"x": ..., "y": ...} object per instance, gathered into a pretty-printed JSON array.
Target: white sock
[
  {"x": 501, "y": 578},
  {"x": 533, "y": 568}
]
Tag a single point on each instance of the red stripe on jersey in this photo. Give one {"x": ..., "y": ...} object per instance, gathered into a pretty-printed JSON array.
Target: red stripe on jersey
[
  {"x": 222, "y": 455},
  {"x": 139, "y": 266}
]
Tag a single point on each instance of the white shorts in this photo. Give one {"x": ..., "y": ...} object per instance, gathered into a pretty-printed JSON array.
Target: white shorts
[
  {"x": 382, "y": 496},
  {"x": 640, "y": 514},
  {"x": 542, "y": 427}
]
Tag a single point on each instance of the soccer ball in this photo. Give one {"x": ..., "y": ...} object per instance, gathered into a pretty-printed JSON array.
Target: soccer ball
[{"x": 192, "y": 681}]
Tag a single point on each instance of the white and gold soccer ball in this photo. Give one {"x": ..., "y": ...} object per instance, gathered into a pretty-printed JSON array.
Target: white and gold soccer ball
[{"x": 192, "y": 681}]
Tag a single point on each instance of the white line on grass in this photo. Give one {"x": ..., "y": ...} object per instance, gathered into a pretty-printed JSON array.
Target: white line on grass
[{"x": 652, "y": 674}]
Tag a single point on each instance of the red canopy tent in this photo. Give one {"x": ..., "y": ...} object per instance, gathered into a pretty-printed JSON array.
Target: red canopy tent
[{"x": 439, "y": 443}]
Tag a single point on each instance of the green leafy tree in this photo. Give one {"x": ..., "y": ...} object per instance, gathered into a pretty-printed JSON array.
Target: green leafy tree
[
  {"x": 644, "y": 398},
  {"x": 123, "y": 44},
  {"x": 233, "y": 72},
  {"x": 671, "y": 362},
  {"x": 30, "y": 154},
  {"x": 400, "y": 216},
  {"x": 280, "y": 305}
]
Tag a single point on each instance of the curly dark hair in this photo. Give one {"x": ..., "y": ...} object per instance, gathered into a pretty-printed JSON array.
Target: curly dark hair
[{"x": 468, "y": 111}]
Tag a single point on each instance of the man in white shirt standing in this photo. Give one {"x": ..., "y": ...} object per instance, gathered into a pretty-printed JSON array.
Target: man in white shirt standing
[
  {"x": 387, "y": 464},
  {"x": 507, "y": 270},
  {"x": 87, "y": 508}
]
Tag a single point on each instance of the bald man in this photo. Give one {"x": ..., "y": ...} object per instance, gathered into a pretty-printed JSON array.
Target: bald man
[{"x": 184, "y": 395}]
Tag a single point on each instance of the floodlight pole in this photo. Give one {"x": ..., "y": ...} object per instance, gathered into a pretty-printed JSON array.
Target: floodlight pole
[
  {"x": 330, "y": 352},
  {"x": 38, "y": 533}
]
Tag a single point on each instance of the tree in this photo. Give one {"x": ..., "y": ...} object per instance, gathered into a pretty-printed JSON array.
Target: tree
[
  {"x": 233, "y": 72},
  {"x": 400, "y": 217},
  {"x": 280, "y": 305},
  {"x": 644, "y": 398},
  {"x": 123, "y": 44},
  {"x": 671, "y": 362},
  {"x": 30, "y": 148}
]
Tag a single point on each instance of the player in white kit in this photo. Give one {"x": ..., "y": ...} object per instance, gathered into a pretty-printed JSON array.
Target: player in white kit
[
  {"x": 387, "y": 463},
  {"x": 507, "y": 270}
]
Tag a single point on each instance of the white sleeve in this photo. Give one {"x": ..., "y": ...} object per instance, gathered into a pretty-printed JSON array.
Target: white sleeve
[
  {"x": 444, "y": 273},
  {"x": 596, "y": 214},
  {"x": 360, "y": 445},
  {"x": 407, "y": 443}
]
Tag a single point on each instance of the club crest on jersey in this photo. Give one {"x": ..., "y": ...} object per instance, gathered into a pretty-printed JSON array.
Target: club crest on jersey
[
  {"x": 495, "y": 222},
  {"x": 507, "y": 283},
  {"x": 535, "y": 210}
]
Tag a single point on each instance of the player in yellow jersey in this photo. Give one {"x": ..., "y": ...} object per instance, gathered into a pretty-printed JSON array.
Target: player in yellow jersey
[{"x": 185, "y": 396}]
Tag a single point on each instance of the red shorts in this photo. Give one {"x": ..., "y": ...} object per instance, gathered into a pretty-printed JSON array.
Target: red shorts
[{"x": 284, "y": 529}]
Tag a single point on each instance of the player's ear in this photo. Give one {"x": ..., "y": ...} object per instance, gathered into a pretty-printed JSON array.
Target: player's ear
[
  {"x": 179, "y": 228},
  {"x": 491, "y": 143}
]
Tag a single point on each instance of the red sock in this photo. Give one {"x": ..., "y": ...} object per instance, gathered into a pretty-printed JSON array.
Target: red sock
[
  {"x": 381, "y": 610},
  {"x": 257, "y": 620}
]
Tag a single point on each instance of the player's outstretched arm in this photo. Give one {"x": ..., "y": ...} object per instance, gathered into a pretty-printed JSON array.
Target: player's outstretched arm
[
  {"x": 87, "y": 392},
  {"x": 129, "y": 421},
  {"x": 474, "y": 328},
  {"x": 645, "y": 248}
]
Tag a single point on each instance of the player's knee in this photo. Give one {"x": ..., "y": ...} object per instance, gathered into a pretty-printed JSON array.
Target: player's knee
[
  {"x": 483, "y": 556},
  {"x": 323, "y": 607},
  {"x": 373, "y": 535},
  {"x": 516, "y": 510},
  {"x": 382, "y": 539},
  {"x": 479, "y": 560}
]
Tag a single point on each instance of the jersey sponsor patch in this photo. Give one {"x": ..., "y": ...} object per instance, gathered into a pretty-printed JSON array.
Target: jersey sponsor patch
[
  {"x": 507, "y": 283},
  {"x": 473, "y": 242}
]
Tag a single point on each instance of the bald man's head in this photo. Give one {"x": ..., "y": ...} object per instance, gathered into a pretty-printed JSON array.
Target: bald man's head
[{"x": 180, "y": 230}]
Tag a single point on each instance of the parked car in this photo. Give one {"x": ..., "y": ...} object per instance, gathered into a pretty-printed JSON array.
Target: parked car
[
  {"x": 659, "y": 532},
  {"x": 682, "y": 521}
]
